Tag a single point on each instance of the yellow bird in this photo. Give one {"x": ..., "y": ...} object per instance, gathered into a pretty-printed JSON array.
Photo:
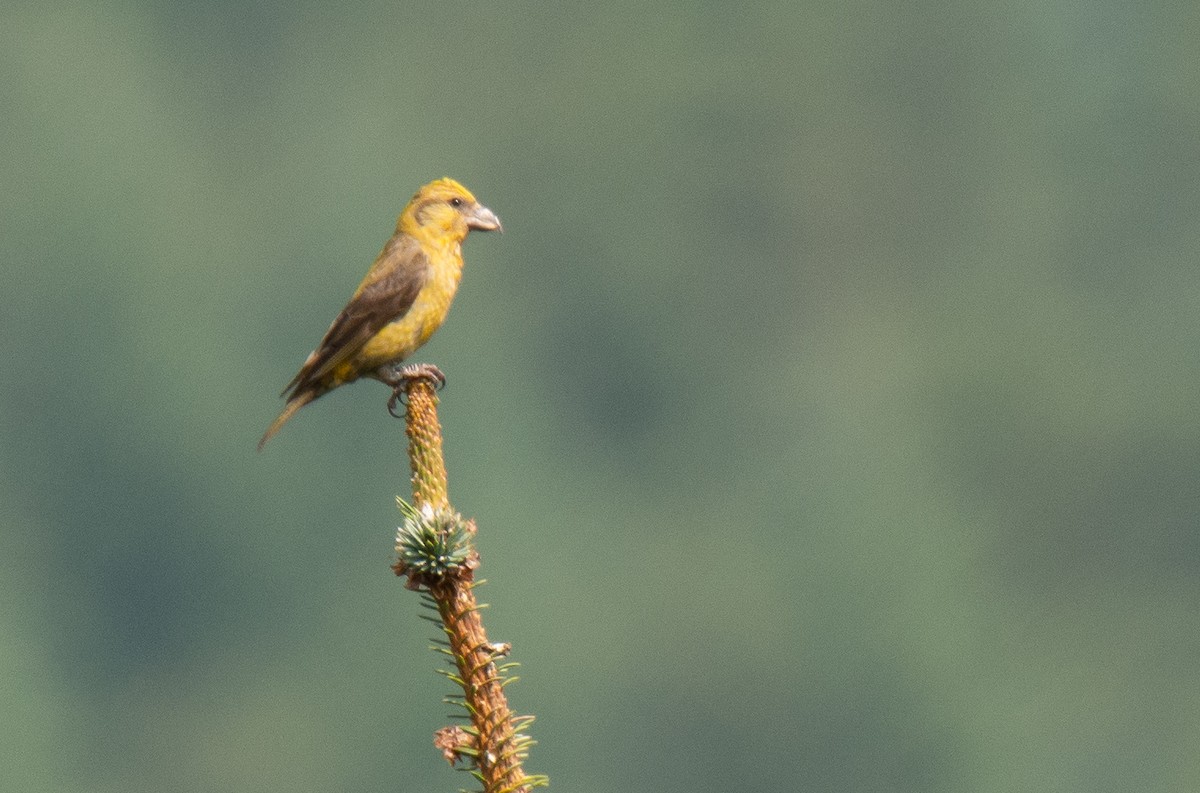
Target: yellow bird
[{"x": 402, "y": 300}]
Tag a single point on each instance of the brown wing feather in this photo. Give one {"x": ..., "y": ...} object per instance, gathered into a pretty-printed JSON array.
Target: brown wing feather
[{"x": 386, "y": 294}]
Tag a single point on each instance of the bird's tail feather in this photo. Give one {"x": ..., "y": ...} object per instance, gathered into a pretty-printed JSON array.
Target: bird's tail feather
[{"x": 295, "y": 403}]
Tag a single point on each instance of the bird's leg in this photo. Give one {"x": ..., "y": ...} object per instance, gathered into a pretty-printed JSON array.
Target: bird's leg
[{"x": 398, "y": 377}]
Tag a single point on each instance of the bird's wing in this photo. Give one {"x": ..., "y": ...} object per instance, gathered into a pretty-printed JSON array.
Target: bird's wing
[{"x": 386, "y": 293}]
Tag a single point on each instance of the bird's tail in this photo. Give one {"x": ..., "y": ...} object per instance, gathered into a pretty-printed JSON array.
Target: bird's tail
[{"x": 295, "y": 403}]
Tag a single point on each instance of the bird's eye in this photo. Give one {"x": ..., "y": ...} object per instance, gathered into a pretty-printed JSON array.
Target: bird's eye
[{"x": 456, "y": 202}]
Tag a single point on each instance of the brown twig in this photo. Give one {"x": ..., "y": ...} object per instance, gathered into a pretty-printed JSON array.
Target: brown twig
[{"x": 494, "y": 743}]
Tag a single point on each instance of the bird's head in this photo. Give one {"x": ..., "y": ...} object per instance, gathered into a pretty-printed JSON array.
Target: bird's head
[{"x": 445, "y": 207}]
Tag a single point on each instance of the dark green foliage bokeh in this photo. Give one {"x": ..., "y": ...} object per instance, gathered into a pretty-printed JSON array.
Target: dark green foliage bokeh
[{"x": 828, "y": 406}]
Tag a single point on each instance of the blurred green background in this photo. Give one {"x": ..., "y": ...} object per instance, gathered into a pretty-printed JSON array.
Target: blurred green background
[{"x": 828, "y": 406}]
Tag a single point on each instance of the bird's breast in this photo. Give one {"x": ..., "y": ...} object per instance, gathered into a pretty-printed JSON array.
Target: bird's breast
[{"x": 402, "y": 336}]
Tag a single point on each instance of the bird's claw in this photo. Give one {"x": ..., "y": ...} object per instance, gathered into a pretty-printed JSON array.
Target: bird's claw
[
  {"x": 400, "y": 377},
  {"x": 396, "y": 398}
]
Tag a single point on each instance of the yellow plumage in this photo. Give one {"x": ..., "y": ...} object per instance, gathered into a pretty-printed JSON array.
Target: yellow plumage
[{"x": 403, "y": 299}]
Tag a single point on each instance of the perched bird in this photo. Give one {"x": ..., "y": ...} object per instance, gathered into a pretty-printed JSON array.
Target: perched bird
[{"x": 402, "y": 300}]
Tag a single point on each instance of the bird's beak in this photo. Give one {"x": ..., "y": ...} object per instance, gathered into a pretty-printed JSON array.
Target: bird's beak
[{"x": 483, "y": 219}]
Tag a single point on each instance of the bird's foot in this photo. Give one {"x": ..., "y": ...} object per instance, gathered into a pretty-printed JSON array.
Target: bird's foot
[{"x": 400, "y": 377}]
